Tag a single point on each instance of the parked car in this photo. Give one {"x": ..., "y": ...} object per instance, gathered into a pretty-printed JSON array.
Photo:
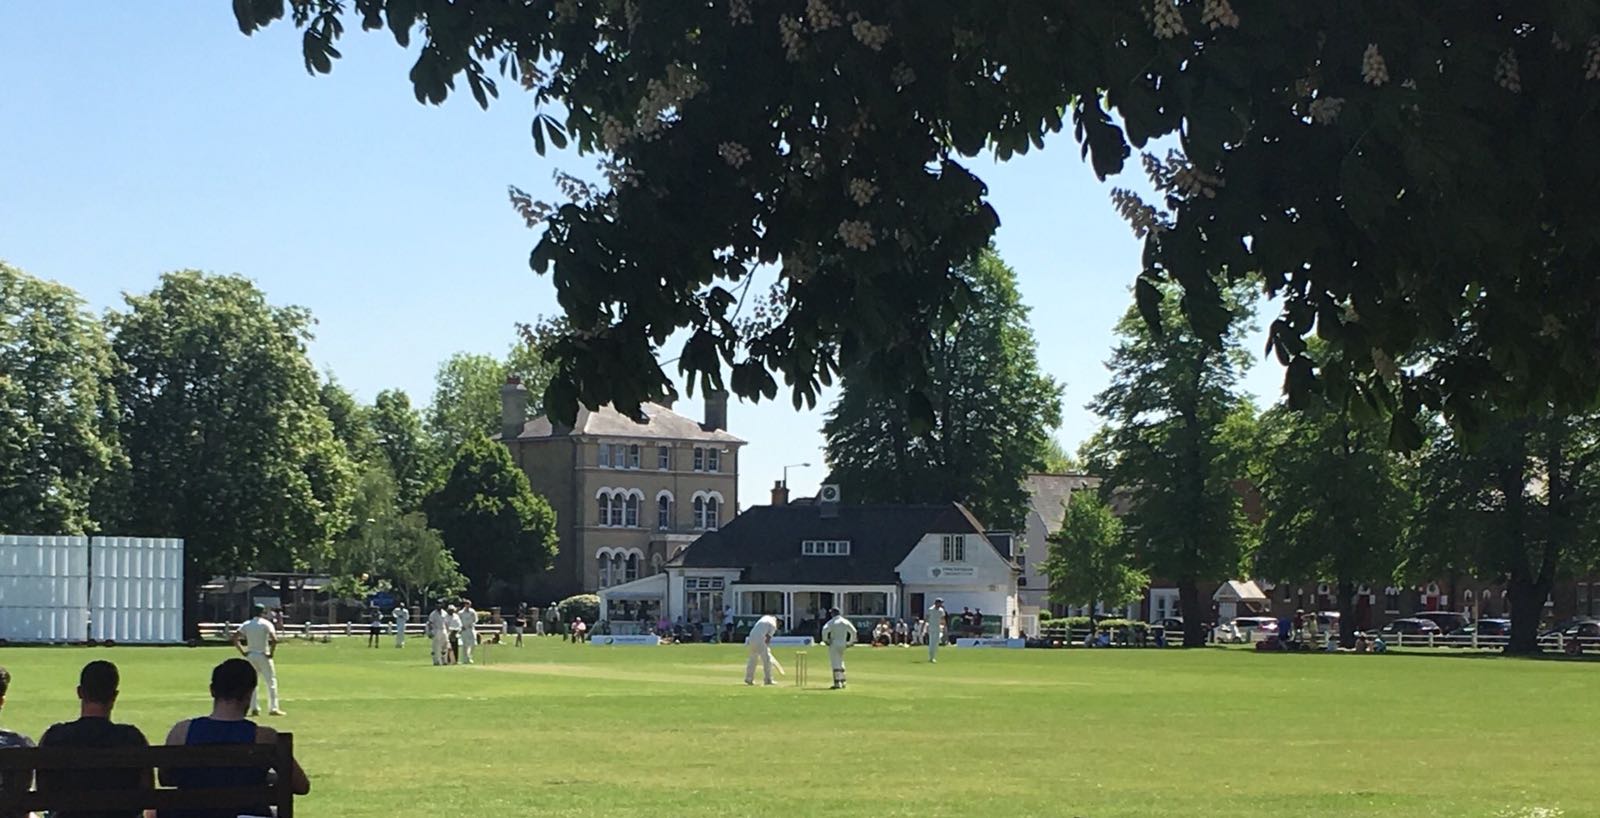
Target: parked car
[
  {"x": 1412, "y": 626},
  {"x": 1448, "y": 621},
  {"x": 1173, "y": 624},
  {"x": 1566, "y": 626},
  {"x": 1246, "y": 629},
  {"x": 1486, "y": 627}
]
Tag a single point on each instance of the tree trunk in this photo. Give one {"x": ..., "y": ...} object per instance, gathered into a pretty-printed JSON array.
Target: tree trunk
[
  {"x": 1527, "y": 608},
  {"x": 1347, "y": 613},
  {"x": 1194, "y": 626}
]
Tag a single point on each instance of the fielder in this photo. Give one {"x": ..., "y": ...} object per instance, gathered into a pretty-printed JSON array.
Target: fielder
[
  {"x": 452, "y": 629},
  {"x": 436, "y": 633},
  {"x": 401, "y": 617},
  {"x": 838, "y": 634},
  {"x": 469, "y": 630},
  {"x": 760, "y": 643},
  {"x": 257, "y": 641},
  {"x": 938, "y": 620}
]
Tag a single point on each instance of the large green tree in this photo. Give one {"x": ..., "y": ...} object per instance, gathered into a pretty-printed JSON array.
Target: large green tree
[
  {"x": 229, "y": 444},
  {"x": 466, "y": 397},
  {"x": 993, "y": 412},
  {"x": 1336, "y": 500},
  {"x": 1089, "y": 562},
  {"x": 497, "y": 528},
  {"x": 59, "y": 449},
  {"x": 351, "y": 424},
  {"x": 398, "y": 436},
  {"x": 1397, "y": 173},
  {"x": 1176, "y": 443},
  {"x": 1521, "y": 507}
]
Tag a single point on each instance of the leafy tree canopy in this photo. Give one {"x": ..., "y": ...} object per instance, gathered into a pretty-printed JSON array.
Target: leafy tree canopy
[
  {"x": 398, "y": 436},
  {"x": 992, "y": 409},
  {"x": 1397, "y": 173},
  {"x": 60, "y": 455},
  {"x": 1089, "y": 561},
  {"x": 491, "y": 520},
  {"x": 220, "y": 412}
]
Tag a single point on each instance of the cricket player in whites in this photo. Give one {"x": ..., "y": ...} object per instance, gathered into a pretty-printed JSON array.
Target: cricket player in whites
[
  {"x": 761, "y": 649},
  {"x": 436, "y": 633},
  {"x": 469, "y": 631},
  {"x": 401, "y": 617},
  {"x": 938, "y": 620},
  {"x": 257, "y": 641},
  {"x": 838, "y": 634}
]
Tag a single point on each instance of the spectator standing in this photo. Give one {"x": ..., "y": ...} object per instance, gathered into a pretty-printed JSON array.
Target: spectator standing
[
  {"x": 727, "y": 624},
  {"x": 257, "y": 641},
  {"x": 402, "y": 615},
  {"x": 375, "y": 628},
  {"x": 977, "y": 622},
  {"x": 520, "y": 623},
  {"x": 579, "y": 630},
  {"x": 97, "y": 695},
  {"x": 233, "y": 688},
  {"x": 469, "y": 630},
  {"x": 9, "y": 738}
]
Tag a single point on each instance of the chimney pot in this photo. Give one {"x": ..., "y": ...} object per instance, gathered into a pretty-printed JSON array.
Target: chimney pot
[
  {"x": 513, "y": 408},
  {"x": 780, "y": 493}
]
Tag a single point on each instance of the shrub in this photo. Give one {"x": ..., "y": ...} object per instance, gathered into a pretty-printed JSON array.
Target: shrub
[{"x": 584, "y": 605}]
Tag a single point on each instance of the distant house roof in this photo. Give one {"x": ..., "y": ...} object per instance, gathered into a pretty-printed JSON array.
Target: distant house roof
[
  {"x": 1239, "y": 591},
  {"x": 764, "y": 542},
  {"x": 1048, "y": 493},
  {"x": 662, "y": 423}
]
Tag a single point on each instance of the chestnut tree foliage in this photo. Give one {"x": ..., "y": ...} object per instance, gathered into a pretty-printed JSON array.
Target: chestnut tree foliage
[{"x": 1396, "y": 173}]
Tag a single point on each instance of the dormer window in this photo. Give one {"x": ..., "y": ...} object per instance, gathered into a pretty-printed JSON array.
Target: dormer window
[
  {"x": 825, "y": 548},
  {"x": 954, "y": 548}
]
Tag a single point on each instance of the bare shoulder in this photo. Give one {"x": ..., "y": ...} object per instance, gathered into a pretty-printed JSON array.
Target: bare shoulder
[
  {"x": 266, "y": 735},
  {"x": 179, "y": 734}
]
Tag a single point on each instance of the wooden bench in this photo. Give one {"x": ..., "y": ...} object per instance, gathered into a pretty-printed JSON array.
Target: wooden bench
[{"x": 19, "y": 767}]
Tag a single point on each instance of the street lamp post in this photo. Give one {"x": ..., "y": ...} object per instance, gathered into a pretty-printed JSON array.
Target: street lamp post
[{"x": 792, "y": 466}]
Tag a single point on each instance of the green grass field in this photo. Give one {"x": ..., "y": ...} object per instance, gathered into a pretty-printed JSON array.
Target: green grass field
[{"x": 561, "y": 730}]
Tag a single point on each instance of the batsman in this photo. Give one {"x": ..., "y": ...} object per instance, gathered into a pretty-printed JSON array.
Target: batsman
[{"x": 838, "y": 634}]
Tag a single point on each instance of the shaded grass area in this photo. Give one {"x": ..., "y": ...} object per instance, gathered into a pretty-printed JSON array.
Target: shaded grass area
[{"x": 561, "y": 730}]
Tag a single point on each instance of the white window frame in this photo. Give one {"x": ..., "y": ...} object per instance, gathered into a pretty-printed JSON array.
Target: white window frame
[
  {"x": 825, "y": 548},
  {"x": 604, "y": 459},
  {"x": 663, "y": 458},
  {"x": 633, "y": 456},
  {"x": 714, "y": 460},
  {"x": 953, "y": 548},
  {"x": 699, "y": 458},
  {"x": 631, "y": 509},
  {"x": 664, "y": 511}
]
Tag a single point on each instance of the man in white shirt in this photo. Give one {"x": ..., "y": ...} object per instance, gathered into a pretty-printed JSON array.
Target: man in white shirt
[
  {"x": 838, "y": 634},
  {"x": 469, "y": 630},
  {"x": 401, "y": 616},
  {"x": 452, "y": 627},
  {"x": 436, "y": 633},
  {"x": 257, "y": 641},
  {"x": 937, "y": 622},
  {"x": 760, "y": 643}
]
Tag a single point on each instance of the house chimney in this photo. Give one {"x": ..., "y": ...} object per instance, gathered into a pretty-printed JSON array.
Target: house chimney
[
  {"x": 716, "y": 410},
  {"x": 513, "y": 408},
  {"x": 780, "y": 493}
]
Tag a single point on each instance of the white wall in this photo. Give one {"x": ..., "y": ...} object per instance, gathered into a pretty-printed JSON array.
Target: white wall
[
  {"x": 984, "y": 580},
  {"x": 44, "y": 588},
  {"x": 52, "y": 588},
  {"x": 137, "y": 590}
]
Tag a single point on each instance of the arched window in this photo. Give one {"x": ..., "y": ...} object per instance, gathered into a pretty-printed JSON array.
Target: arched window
[
  {"x": 617, "y": 500},
  {"x": 664, "y": 511},
  {"x": 603, "y": 509},
  {"x": 712, "y": 517},
  {"x": 603, "y": 563},
  {"x": 655, "y": 563},
  {"x": 699, "y": 511},
  {"x": 630, "y": 571},
  {"x": 631, "y": 504}
]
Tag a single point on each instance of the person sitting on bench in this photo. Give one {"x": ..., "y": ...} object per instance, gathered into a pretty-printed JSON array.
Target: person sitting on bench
[
  {"x": 97, "y": 695},
  {"x": 233, "y": 687}
]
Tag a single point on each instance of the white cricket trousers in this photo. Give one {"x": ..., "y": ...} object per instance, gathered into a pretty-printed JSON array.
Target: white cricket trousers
[
  {"x": 933, "y": 646},
  {"x": 441, "y": 646},
  {"x": 399, "y": 636},
  {"x": 469, "y": 640},
  {"x": 836, "y": 659},
  {"x": 268, "y": 677},
  {"x": 759, "y": 652}
]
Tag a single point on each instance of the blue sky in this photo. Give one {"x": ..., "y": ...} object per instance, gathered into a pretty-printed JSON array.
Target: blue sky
[{"x": 146, "y": 137}]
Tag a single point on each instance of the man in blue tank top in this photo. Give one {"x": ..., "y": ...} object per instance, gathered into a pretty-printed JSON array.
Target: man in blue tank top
[{"x": 233, "y": 690}]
